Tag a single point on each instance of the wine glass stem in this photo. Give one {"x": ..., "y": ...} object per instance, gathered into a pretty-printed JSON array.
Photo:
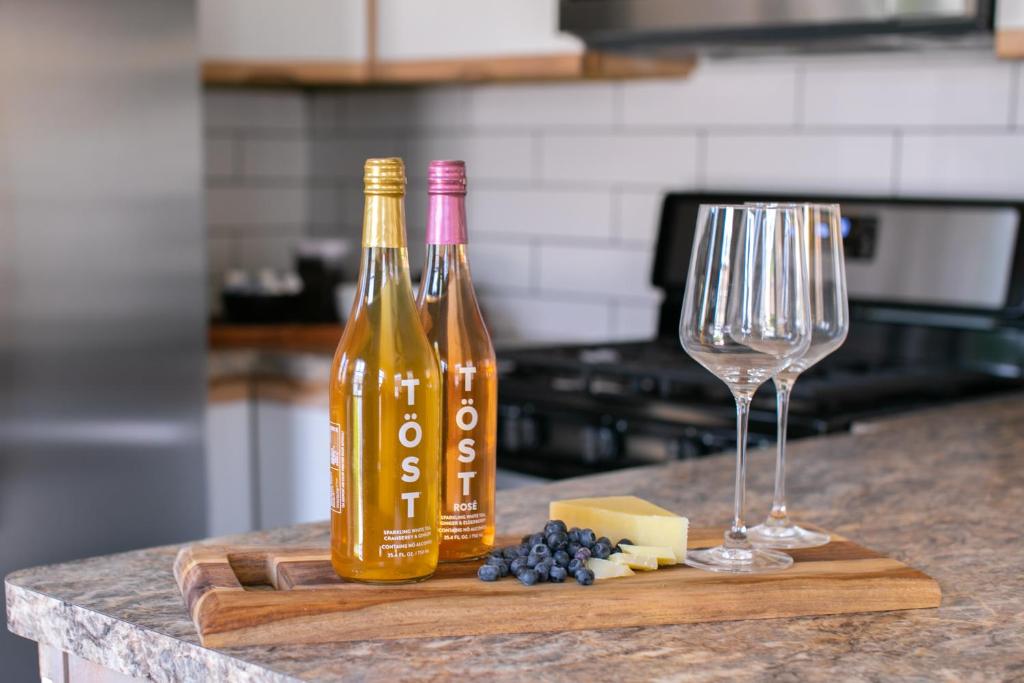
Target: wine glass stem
[
  {"x": 782, "y": 390},
  {"x": 736, "y": 537}
]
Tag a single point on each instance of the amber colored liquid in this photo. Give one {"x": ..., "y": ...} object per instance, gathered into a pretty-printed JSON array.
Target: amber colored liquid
[
  {"x": 377, "y": 535},
  {"x": 455, "y": 328}
]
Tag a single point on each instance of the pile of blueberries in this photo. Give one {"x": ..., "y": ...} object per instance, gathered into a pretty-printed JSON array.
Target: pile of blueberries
[{"x": 551, "y": 555}]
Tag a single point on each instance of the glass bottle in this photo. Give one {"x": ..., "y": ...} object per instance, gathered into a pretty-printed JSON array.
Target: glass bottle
[
  {"x": 385, "y": 400},
  {"x": 453, "y": 323}
]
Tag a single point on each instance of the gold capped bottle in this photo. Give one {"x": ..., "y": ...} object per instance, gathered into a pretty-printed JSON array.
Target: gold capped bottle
[
  {"x": 385, "y": 402},
  {"x": 453, "y": 323}
]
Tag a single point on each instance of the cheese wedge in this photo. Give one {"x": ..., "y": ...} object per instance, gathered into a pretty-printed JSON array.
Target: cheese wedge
[
  {"x": 662, "y": 554},
  {"x": 645, "y": 563},
  {"x": 605, "y": 569},
  {"x": 625, "y": 517}
]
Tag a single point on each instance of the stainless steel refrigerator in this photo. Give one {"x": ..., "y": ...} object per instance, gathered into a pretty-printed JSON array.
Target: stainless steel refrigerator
[{"x": 102, "y": 271}]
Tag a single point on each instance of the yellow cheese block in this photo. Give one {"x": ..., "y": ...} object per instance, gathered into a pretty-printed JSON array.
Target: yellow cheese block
[
  {"x": 604, "y": 569},
  {"x": 645, "y": 563},
  {"x": 625, "y": 517},
  {"x": 661, "y": 553}
]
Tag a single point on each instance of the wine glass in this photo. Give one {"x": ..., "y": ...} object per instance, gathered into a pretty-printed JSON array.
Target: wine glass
[
  {"x": 829, "y": 321},
  {"x": 744, "y": 318}
]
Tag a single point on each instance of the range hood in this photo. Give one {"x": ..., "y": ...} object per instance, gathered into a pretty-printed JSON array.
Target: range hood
[{"x": 725, "y": 26}]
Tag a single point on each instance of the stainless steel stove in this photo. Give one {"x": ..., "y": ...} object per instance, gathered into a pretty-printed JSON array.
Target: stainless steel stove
[{"x": 937, "y": 315}]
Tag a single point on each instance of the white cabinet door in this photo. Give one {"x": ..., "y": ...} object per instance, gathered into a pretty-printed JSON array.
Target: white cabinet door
[
  {"x": 283, "y": 30},
  {"x": 453, "y": 29},
  {"x": 229, "y": 467},
  {"x": 293, "y": 447}
]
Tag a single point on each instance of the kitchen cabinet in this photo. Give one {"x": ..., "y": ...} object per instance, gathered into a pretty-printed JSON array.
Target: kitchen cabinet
[
  {"x": 305, "y": 41},
  {"x": 361, "y": 42}
]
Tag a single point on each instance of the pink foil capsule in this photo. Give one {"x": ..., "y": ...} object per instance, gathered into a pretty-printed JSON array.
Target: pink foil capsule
[{"x": 446, "y": 208}]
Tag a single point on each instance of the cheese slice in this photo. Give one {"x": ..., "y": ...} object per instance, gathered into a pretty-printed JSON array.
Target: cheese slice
[
  {"x": 662, "y": 554},
  {"x": 625, "y": 517},
  {"x": 605, "y": 569},
  {"x": 645, "y": 563}
]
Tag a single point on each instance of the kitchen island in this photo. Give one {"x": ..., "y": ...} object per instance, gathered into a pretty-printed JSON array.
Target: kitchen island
[{"x": 942, "y": 490}]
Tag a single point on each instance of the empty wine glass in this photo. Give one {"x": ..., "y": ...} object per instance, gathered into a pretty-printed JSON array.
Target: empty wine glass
[
  {"x": 744, "y": 318},
  {"x": 829, "y": 321}
]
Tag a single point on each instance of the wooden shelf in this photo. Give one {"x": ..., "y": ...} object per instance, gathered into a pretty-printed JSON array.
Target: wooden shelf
[
  {"x": 316, "y": 338},
  {"x": 1010, "y": 43},
  {"x": 584, "y": 65}
]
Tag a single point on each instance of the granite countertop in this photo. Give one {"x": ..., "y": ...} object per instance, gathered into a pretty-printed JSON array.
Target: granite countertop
[{"x": 942, "y": 490}]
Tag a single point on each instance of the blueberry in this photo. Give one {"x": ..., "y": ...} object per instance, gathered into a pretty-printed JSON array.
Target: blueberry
[
  {"x": 522, "y": 550},
  {"x": 532, "y": 559},
  {"x": 557, "y": 574},
  {"x": 574, "y": 535},
  {"x": 553, "y": 526},
  {"x": 561, "y": 558},
  {"x": 576, "y": 565},
  {"x": 584, "y": 577},
  {"x": 587, "y": 538},
  {"x": 496, "y": 552},
  {"x": 535, "y": 539},
  {"x": 601, "y": 550},
  {"x": 541, "y": 549},
  {"x": 606, "y": 541},
  {"x": 525, "y": 539},
  {"x": 488, "y": 572},
  {"x": 572, "y": 548},
  {"x": 543, "y": 571},
  {"x": 527, "y": 577},
  {"x": 557, "y": 540},
  {"x": 626, "y": 541},
  {"x": 500, "y": 565},
  {"x": 583, "y": 554},
  {"x": 517, "y": 564},
  {"x": 510, "y": 553}
]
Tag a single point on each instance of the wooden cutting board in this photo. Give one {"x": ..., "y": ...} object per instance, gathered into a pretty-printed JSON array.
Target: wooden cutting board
[{"x": 276, "y": 595}]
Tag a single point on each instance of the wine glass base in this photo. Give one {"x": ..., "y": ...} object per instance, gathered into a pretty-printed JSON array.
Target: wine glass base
[
  {"x": 787, "y": 536},
  {"x": 738, "y": 561}
]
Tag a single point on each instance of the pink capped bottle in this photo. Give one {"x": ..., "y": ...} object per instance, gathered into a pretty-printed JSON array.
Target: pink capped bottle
[{"x": 469, "y": 383}]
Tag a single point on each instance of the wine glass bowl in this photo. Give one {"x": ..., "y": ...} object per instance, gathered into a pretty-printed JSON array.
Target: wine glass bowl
[{"x": 744, "y": 318}]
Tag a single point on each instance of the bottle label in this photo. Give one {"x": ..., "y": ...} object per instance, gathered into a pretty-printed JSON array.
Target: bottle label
[
  {"x": 337, "y": 468},
  {"x": 465, "y": 519}
]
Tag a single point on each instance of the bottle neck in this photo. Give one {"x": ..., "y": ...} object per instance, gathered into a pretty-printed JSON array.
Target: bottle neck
[
  {"x": 384, "y": 221},
  {"x": 444, "y": 265},
  {"x": 446, "y": 219}
]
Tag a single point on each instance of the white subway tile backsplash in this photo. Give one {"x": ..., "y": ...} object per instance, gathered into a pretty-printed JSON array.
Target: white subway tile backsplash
[
  {"x": 548, "y": 104},
  {"x": 254, "y": 108},
  {"x": 636, "y": 320},
  {"x": 963, "y": 165},
  {"x": 219, "y": 157},
  {"x": 405, "y": 108},
  {"x": 532, "y": 319},
  {"x": 716, "y": 94},
  {"x": 275, "y": 157},
  {"x": 639, "y": 215},
  {"x": 904, "y": 92},
  {"x": 613, "y": 270},
  {"x": 540, "y": 213},
  {"x": 341, "y": 157},
  {"x": 246, "y": 207},
  {"x": 795, "y": 162},
  {"x": 567, "y": 179},
  {"x": 265, "y": 251},
  {"x": 487, "y": 156},
  {"x": 621, "y": 159},
  {"x": 500, "y": 266}
]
